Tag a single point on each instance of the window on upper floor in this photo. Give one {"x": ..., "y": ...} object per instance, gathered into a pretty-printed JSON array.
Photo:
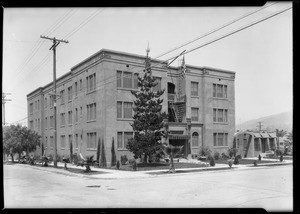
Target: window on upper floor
[
  {"x": 76, "y": 89},
  {"x": 70, "y": 93},
  {"x": 194, "y": 88},
  {"x": 31, "y": 108},
  {"x": 122, "y": 139},
  {"x": 124, "y": 110},
  {"x": 91, "y": 83},
  {"x": 80, "y": 84},
  {"x": 51, "y": 122},
  {"x": 220, "y": 139},
  {"x": 70, "y": 117},
  {"x": 127, "y": 80},
  {"x": 63, "y": 141},
  {"x": 219, "y": 91},
  {"x": 45, "y": 104},
  {"x": 62, "y": 96},
  {"x": 91, "y": 140},
  {"x": 62, "y": 119},
  {"x": 91, "y": 112},
  {"x": 220, "y": 115},
  {"x": 195, "y": 114}
]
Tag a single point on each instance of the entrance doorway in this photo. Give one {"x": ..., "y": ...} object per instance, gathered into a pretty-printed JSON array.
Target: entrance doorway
[
  {"x": 264, "y": 146},
  {"x": 180, "y": 142}
]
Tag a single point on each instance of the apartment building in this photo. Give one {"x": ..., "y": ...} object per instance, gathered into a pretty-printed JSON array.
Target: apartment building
[{"x": 94, "y": 102}]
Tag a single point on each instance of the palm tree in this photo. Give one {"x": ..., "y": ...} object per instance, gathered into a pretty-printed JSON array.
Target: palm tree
[{"x": 171, "y": 151}]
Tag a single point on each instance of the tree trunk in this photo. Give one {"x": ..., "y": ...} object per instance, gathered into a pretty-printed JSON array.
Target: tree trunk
[
  {"x": 145, "y": 158},
  {"x": 172, "y": 167},
  {"x": 12, "y": 158},
  {"x": 19, "y": 157}
]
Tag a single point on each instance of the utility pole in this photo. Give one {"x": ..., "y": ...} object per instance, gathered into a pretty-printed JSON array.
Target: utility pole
[
  {"x": 53, "y": 47},
  {"x": 259, "y": 126},
  {"x": 3, "y": 105}
]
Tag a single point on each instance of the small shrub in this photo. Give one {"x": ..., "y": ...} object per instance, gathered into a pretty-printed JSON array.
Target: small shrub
[
  {"x": 255, "y": 163},
  {"x": 75, "y": 158},
  {"x": 204, "y": 151},
  {"x": 124, "y": 159},
  {"x": 259, "y": 157},
  {"x": 216, "y": 155},
  {"x": 236, "y": 161},
  {"x": 230, "y": 162},
  {"x": 281, "y": 158},
  {"x": 278, "y": 152},
  {"x": 118, "y": 164},
  {"x": 132, "y": 162},
  {"x": 212, "y": 161},
  {"x": 239, "y": 157}
]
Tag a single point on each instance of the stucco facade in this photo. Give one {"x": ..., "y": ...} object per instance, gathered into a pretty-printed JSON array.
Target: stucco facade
[{"x": 99, "y": 103}]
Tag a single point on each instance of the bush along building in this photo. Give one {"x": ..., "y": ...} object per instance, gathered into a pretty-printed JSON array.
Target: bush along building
[{"x": 94, "y": 102}]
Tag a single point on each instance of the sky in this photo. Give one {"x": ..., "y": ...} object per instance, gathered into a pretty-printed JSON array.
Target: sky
[{"x": 261, "y": 55}]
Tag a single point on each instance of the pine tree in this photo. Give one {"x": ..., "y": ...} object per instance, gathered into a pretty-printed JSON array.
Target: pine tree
[
  {"x": 102, "y": 157},
  {"x": 113, "y": 153},
  {"x": 148, "y": 119},
  {"x": 98, "y": 151}
]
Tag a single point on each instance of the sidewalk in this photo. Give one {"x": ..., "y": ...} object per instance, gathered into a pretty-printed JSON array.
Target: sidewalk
[{"x": 120, "y": 174}]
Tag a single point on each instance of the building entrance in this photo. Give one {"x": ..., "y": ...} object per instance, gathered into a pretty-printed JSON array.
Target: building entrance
[{"x": 180, "y": 142}]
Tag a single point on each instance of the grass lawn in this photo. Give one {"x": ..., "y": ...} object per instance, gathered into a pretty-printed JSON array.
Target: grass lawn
[
  {"x": 157, "y": 166},
  {"x": 243, "y": 161}
]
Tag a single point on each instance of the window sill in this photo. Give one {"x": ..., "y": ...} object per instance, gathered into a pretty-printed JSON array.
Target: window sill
[
  {"x": 221, "y": 123},
  {"x": 63, "y": 148},
  {"x": 90, "y": 121},
  {"x": 70, "y": 124},
  {"x": 90, "y": 92},
  {"x": 90, "y": 149},
  {"x": 125, "y": 119},
  {"x": 195, "y": 147},
  {"x": 193, "y": 96},
  {"x": 220, "y": 98},
  {"x": 122, "y": 149}
]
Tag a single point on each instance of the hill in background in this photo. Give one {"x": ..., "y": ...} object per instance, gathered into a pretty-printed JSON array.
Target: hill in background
[{"x": 270, "y": 123}]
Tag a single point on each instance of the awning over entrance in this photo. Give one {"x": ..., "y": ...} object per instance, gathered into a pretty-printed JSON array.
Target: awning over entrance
[
  {"x": 272, "y": 135},
  {"x": 257, "y": 135},
  {"x": 178, "y": 137},
  {"x": 264, "y": 135}
]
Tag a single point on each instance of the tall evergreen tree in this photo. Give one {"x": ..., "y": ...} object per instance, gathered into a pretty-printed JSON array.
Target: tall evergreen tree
[
  {"x": 98, "y": 152},
  {"x": 102, "y": 156},
  {"x": 148, "y": 118},
  {"x": 113, "y": 153}
]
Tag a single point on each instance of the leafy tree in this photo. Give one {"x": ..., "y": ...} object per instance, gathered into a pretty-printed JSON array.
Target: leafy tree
[
  {"x": 113, "y": 153},
  {"x": 171, "y": 151},
  {"x": 102, "y": 157},
  {"x": 17, "y": 138},
  {"x": 148, "y": 118},
  {"x": 290, "y": 136}
]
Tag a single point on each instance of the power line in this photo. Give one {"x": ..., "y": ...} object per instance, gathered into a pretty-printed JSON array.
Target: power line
[
  {"x": 238, "y": 30},
  {"x": 216, "y": 29}
]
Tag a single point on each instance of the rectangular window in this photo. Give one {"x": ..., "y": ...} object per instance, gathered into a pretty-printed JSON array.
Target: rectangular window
[
  {"x": 194, "y": 88},
  {"x": 70, "y": 93},
  {"x": 62, "y": 119},
  {"x": 195, "y": 113},
  {"x": 70, "y": 141},
  {"x": 76, "y": 140},
  {"x": 127, "y": 110},
  {"x": 46, "y": 142},
  {"x": 119, "y": 79},
  {"x": 91, "y": 140},
  {"x": 158, "y": 86},
  {"x": 80, "y": 111},
  {"x": 76, "y": 115},
  {"x": 51, "y": 122},
  {"x": 127, "y": 80},
  {"x": 215, "y": 115},
  {"x": 63, "y": 141},
  {"x": 51, "y": 142},
  {"x": 91, "y": 112},
  {"x": 62, "y": 97},
  {"x": 119, "y": 109},
  {"x": 91, "y": 82},
  {"x": 31, "y": 124},
  {"x": 220, "y": 139},
  {"x": 46, "y": 123},
  {"x": 135, "y": 81},
  {"x": 120, "y": 140},
  {"x": 70, "y": 115},
  {"x": 45, "y": 104},
  {"x": 220, "y": 115},
  {"x": 31, "y": 108},
  {"x": 219, "y": 91},
  {"x": 38, "y": 106},
  {"x": 80, "y": 84},
  {"x": 51, "y": 101},
  {"x": 127, "y": 136},
  {"x": 76, "y": 89}
]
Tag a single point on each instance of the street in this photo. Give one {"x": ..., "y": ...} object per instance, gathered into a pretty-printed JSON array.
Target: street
[{"x": 270, "y": 188}]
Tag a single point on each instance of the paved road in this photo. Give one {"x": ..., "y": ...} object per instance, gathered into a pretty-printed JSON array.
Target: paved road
[{"x": 270, "y": 188}]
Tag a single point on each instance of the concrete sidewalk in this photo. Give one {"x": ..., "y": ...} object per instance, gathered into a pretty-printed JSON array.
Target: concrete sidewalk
[{"x": 120, "y": 174}]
